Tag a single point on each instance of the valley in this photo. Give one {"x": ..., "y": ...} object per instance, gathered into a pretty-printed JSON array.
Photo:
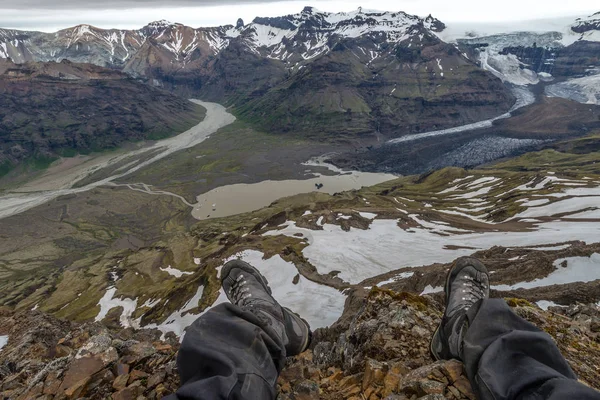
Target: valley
[{"x": 350, "y": 157}]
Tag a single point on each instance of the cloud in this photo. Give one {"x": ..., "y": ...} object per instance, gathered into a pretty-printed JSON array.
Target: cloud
[
  {"x": 52, "y": 15},
  {"x": 119, "y": 4}
]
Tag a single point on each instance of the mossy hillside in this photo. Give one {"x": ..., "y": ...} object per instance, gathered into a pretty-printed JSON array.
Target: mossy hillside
[
  {"x": 342, "y": 97},
  {"x": 51, "y": 276}
]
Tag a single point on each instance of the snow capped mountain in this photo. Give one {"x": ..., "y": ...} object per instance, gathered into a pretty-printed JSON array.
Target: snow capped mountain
[
  {"x": 304, "y": 36},
  {"x": 292, "y": 38},
  {"x": 525, "y": 54}
]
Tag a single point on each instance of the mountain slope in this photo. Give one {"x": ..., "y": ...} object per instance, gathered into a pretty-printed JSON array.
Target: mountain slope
[
  {"x": 51, "y": 109},
  {"x": 370, "y": 72},
  {"x": 352, "y": 360},
  {"x": 367, "y": 85}
]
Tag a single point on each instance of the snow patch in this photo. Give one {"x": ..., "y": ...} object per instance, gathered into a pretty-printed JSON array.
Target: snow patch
[
  {"x": 108, "y": 301},
  {"x": 578, "y": 269},
  {"x": 545, "y": 304},
  {"x": 430, "y": 290},
  {"x": 175, "y": 272}
]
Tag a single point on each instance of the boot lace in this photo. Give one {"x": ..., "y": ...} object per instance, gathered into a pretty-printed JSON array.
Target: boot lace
[
  {"x": 472, "y": 291},
  {"x": 240, "y": 292}
]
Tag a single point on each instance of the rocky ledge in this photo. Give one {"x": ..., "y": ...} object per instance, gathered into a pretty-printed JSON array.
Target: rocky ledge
[{"x": 377, "y": 350}]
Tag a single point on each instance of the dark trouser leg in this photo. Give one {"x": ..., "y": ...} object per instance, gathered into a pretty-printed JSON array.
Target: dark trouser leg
[
  {"x": 506, "y": 357},
  {"x": 226, "y": 354}
]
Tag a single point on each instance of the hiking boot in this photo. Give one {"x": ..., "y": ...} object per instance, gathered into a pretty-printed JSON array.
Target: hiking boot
[
  {"x": 248, "y": 289},
  {"x": 467, "y": 283}
]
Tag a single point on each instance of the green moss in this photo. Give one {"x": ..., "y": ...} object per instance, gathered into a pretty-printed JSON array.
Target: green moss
[{"x": 514, "y": 302}]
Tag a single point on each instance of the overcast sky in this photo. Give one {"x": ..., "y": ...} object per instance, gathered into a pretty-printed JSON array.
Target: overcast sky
[{"x": 51, "y": 15}]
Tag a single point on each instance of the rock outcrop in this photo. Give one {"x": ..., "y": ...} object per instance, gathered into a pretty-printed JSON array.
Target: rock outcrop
[{"x": 377, "y": 350}]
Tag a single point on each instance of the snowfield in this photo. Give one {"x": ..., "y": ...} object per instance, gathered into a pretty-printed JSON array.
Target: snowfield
[
  {"x": 360, "y": 254},
  {"x": 385, "y": 247},
  {"x": 578, "y": 269}
]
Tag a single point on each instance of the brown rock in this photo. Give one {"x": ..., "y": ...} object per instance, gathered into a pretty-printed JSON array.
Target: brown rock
[
  {"x": 155, "y": 379},
  {"x": 390, "y": 382},
  {"x": 453, "y": 370},
  {"x": 432, "y": 387},
  {"x": 61, "y": 351},
  {"x": 352, "y": 380},
  {"x": 293, "y": 374},
  {"x": 52, "y": 383},
  {"x": 306, "y": 390},
  {"x": 161, "y": 390},
  {"x": 351, "y": 391},
  {"x": 122, "y": 369},
  {"x": 102, "y": 378},
  {"x": 33, "y": 392},
  {"x": 120, "y": 382},
  {"x": 129, "y": 393},
  {"x": 375, "y": 373},
  {"x": 136, "y": 375},
  {"x": 464, "y": 386},
  {"x": 163, "y": 347},
  {"x": 455, "y": 392},
  {"x": 286, "y": 387},
  {"x": 139, "y": 352},
  {"x": 80, "y": 369},
  {"x": 77, "y": 390}
]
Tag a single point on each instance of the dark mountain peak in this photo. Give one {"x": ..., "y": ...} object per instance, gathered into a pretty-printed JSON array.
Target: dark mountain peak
[
  {"x": 587, "y": 24},
  {"x": 434, "y": 24},
  {"x": 285, "y": 22},
  {"x": 240, "y": 23}
]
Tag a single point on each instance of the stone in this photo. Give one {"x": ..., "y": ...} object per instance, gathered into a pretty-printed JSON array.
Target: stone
[
  {"x": 464, "y": 386},
  {"x": 351, "y": 380},
  {"x": 103, "y": 377},
  {"x": 52, "y": 383},
  {"x": 161, "y": 390},
  {"x": 420, "y": 332},
  {"x": 375, "y": 373},
  {"x": 155, "y": 379},
  {"x": 391, "y": 381},
  {"x": 293, "y": 374},
  {"x": 81, "y": 368},
  {"x": 138, "y": 352},
  {"x": 129, "y": 393},
  {"x": 433, "y": 397},
  {"x": 77, "y": 390},
  {"x": 455, "y": 392},
  {"x": 453, "y": 370},
  {"x": 61, "y": 351},
  {"x": 136, "y": 375},
  {"x": 432, "y": 387},
  {"x": 95, "y": 345},
  {"x": 351, "y": 391},
  {"x": 163, "y": 347},
  {"x": 122, "y": 369},
  {"x": 120, "y": 382}
]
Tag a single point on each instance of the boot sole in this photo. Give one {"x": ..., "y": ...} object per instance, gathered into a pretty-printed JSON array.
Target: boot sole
[
  {"x": 459, "y": 264},
  {"x": 307, "y": 333}
]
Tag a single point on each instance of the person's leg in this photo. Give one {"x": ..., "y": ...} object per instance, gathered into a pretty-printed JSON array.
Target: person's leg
[
  {"x": 505, "y": 356},
  {"x": 236, "y": 351}
]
